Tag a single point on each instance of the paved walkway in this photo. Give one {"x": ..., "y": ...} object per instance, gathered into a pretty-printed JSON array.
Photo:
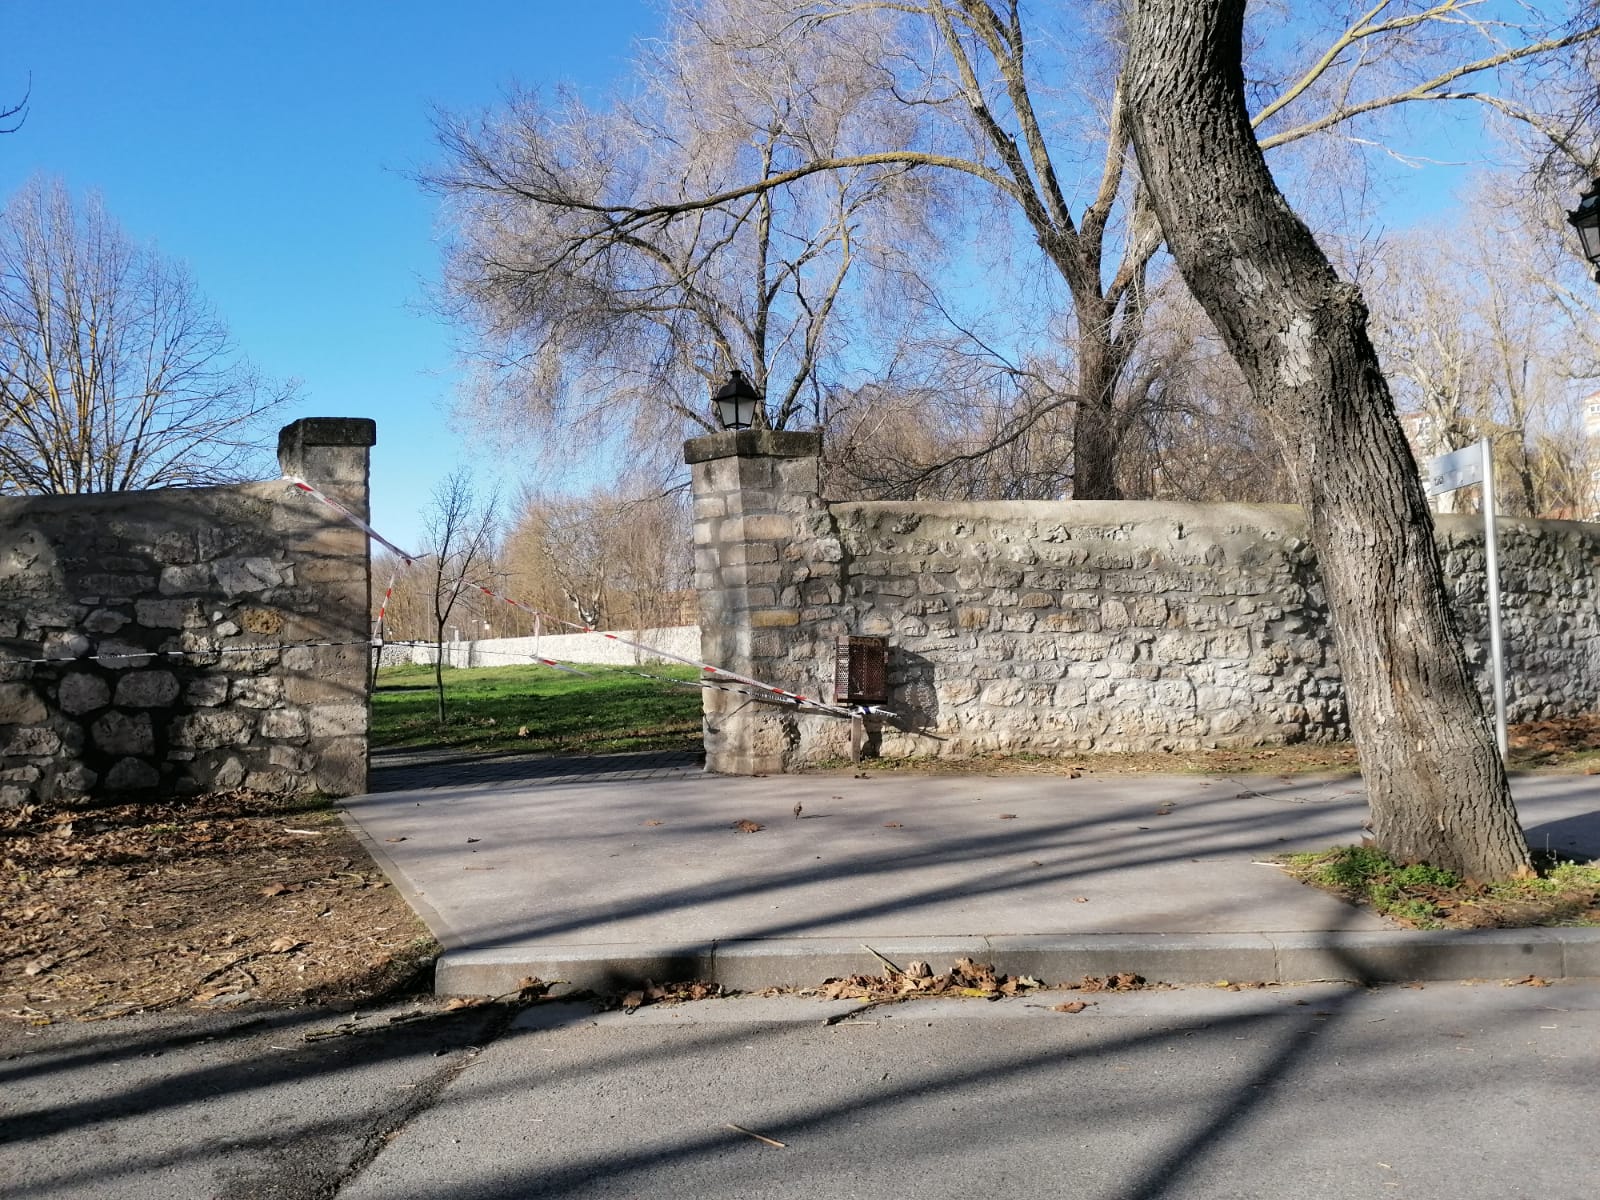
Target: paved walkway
[
  {"x": 420, "y": 770},
  {"x": 609, "y": 869}
]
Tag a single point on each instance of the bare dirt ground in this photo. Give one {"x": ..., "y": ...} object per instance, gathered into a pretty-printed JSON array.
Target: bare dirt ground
[
  {"x": 211, "y": 902},
  {"x": 1566, "y": 744}
]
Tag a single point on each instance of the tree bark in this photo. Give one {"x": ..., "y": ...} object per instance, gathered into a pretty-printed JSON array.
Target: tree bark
[
  {"x": 1434, "y": 778},
  {"x": 1095, "y": 448}
]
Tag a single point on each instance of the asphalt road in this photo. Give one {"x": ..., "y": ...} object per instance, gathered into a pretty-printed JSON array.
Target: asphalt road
[{"x": 1458, "y": 1091}]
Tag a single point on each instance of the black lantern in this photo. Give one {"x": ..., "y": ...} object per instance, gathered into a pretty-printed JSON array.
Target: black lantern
[
  {"x": 1586, "y": 220},
  {"x": 735, "y": 402}
]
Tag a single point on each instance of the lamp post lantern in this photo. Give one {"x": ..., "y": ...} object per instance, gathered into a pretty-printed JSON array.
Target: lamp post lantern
[
  {"x": 1586, "y": 220},
  {"x": 735, "y": 402}
]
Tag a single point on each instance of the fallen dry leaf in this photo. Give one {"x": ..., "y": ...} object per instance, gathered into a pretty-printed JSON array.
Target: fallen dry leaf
[
  {"x": 1007, "y": 817},
  {"x": 456, "y": 1002},
  {"x": 748, "y": 826},
  {"x": 283, "y": 945},
  {"x": 1080, "y": 899},
  {"x": 1122, "y": 981},
  {"x": 655, "y": 822},
  {"x": 1074, "y": 1006},
  {"x": 1528, "y": 981}
]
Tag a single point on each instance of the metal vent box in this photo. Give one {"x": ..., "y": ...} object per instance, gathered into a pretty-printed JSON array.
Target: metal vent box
[{"x": 861, "y": 670}]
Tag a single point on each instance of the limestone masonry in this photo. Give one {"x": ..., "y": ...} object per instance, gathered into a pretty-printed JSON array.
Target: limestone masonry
[
  {"x": 1052, "y": 627},
  {"x": 237, "y": 578}
]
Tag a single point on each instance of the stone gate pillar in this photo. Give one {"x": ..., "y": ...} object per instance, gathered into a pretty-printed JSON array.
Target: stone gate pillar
[
  {"x": 335, "y": 558},
  {"x": 755, "y": 497}
]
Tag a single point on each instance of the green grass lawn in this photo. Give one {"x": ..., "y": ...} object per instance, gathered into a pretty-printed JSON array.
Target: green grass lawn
[{"x": 537, "y": 708}]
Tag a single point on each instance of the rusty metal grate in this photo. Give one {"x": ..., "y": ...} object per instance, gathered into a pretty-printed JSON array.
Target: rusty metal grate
[{"x": 861, "y": 670}]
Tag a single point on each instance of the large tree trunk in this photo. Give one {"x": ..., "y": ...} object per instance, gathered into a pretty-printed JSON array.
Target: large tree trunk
[
  {"x": 1094, "y": 432},
  {"x": 1436, "y": 783}
]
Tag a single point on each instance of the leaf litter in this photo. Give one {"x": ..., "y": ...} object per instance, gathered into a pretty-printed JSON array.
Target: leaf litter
[{"x": 214, "y": 900}]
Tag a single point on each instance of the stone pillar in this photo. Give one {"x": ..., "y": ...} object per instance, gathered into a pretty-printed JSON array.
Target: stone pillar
[
  {"x": 332, "y": 454},
  {"x": 334, "y": 559},
  {"x": 756, "y": 505}
]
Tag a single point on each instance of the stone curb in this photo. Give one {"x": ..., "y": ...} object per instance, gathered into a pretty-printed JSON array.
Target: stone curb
[{"x": 1386, "y": 956}]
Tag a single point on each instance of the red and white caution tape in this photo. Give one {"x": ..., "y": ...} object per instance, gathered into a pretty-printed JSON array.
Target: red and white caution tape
[
  {"x": 795, "y": 698},
  {"x": 351, "y": 517}
]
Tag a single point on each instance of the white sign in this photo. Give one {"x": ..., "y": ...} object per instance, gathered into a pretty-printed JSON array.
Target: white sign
[{"x": 1459, "y": 469}]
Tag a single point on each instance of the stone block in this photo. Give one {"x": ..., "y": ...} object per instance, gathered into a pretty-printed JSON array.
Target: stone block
[
  {"x": 774, "y": 618},
  {"x": 228, "y": 774},
  {"x": 242, "y": 576},
  {"x": 132, "y": 775},
  {"x": 286, "y": 724},
  {"x": 212, "y": 730},
  {"x": 1073, "y": 620},
  {"x": 186, "y": 577},
  {"x": 119, "y": 655},
  {"x": 20, "y": 704},
  {"x": 337, "y": 720},
  {"x": 73, "y": 783},
  {"x": 972, "y": 617},
  {"x": 291, "y": 758},
  {"x": 115, "y": 585},
  {"x": 341, "y": 767},
  {"x": 104, "y": 620},
  {"x": 169, "y": 614},
  {"x": 147, "y": 689},
  {"x": 65, "y": 645},
  {"x": 121, "y": 733},
  {"x": 767, "y": 527},
  {"x": 273, "y": 783},
  {"x": 257, "y": 691},
  {"x": 31, "y": 741},
  {"x": 207, "y": 691}
]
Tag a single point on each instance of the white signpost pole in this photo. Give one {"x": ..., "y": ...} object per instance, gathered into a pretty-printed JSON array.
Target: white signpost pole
[
  {"x": 1491, "y": 555},
  {"x": 1459, "y": 469}
]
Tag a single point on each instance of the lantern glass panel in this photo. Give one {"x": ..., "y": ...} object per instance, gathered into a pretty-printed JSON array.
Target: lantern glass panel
[{"x": 1589, "y": 234}]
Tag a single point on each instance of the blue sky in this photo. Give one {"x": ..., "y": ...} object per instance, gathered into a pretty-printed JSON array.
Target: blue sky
[{"x": 268, "y": 145}]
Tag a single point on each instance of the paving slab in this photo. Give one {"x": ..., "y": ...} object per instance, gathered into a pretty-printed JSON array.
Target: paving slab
[{"x": 614, "y": 869}]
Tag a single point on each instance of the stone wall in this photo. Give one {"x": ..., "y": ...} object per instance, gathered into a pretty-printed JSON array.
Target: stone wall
[
  {"x": 597, "y": 648},
  {"x": 1055, "y": 627},
  {"x": 157, "y": 642}
]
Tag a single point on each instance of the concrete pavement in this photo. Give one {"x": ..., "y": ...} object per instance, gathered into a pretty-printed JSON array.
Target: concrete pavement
[
  {"x": 1322, "y": 1092},
  {"x": 607, "y": 871}
]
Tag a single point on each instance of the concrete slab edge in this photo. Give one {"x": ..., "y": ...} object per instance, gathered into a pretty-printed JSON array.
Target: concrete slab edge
[
  {"x": 426, "y": 913},
  {"x": 1383, "y": 956}
]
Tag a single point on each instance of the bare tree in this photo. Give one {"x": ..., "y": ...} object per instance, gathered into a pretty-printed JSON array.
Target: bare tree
[
  {"x": 970, "y": 71},
  {"x": 1490, "y": 329},
  {"x": 13, "y": 115},
  {"x": 114, "y": 372},
  {"x": 459, "y": 535},
  {"x": 579, "y": 321},
  {"x": 1434, "y": 777},
  {"x": 615, "y": 557}
]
